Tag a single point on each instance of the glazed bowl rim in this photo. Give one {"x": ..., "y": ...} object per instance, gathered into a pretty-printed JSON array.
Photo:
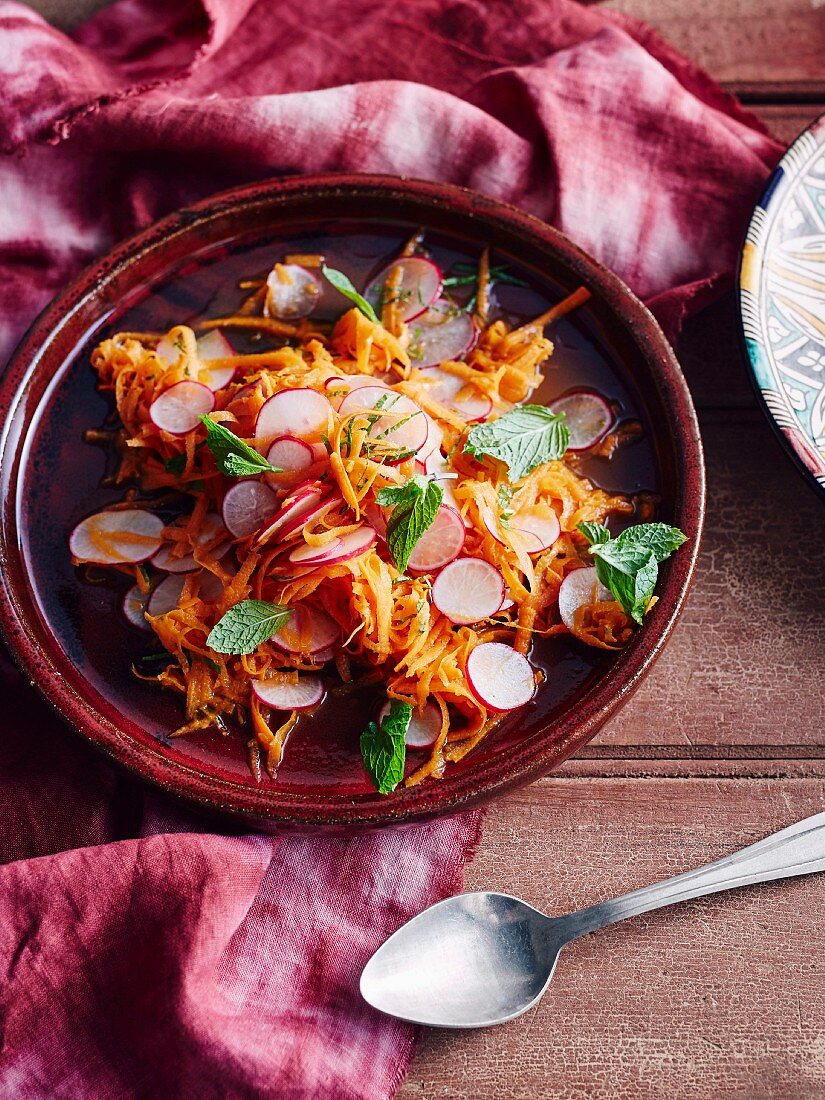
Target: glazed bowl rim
[{"x": 267, "y": 807}]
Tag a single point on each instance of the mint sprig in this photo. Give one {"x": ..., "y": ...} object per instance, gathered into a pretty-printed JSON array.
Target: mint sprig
[
  {"x": 523, "y": 438},
  {"x": 414, "y": 508},
  {"x": 384, "y": 748},
  {"x": 343, "y": 285},
  {"x": 246, "y": 626},
  {"x": 629, "y": 564},
  {"x": 232, "y": 456}
]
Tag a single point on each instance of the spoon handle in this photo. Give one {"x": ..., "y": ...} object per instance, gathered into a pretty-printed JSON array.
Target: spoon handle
[{"x": 797, "y": 850}]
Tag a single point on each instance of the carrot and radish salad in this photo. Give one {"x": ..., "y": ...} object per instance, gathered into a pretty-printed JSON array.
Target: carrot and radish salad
[{"x": 370, "y": 499}]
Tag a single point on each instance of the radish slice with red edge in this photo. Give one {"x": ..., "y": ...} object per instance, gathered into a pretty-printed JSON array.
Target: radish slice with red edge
[
  {"x": 301, "y": 412},
  {"x": 441, "y": 543},
  {"x": 214, "y": 345},
  {"x": 318, "y": 511},
  {"x": 312, "y": 555},
  {"x": 587, "y": 415},
  {"x": 323, "y": 655},
  {"x": 291, "y": 292},
  {"x": 179, "y": 409},
  {"x": 418, "y": 288},
  {"x": 292, "y": 510},
  {"x": 454, "y": 392},
  {"x": 211, "y": 529},
  {"x": 442, "y": 333},
  {"x": 405, "y": 423},
  {"x": 291, "y": 455},
  {"x": 468, "y": 590},
  {"x": 424, "y": 726},
  {"x": 134, "y": 608},
  {"x": 351, "y": 545},
  {"x": 307, "y": 630},
  {"x": 247, "y": 506},
  {"x": 500, "y": 678},
  {"x": 579, "y": 588},
  {"x": 117, "y": 537},
  {"x": 308, "y": 692},
  {"x": 538, "y": 526},
  {"x": 166, "y": 596}
]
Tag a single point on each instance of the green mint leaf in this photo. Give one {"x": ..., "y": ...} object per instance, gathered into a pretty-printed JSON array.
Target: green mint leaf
[
  {"x": 384, "y": 749},
  {"x": 629, "y": 564},
  {"x": 660, "y": 538},
  {"x": 631, "y": 579},
  {"x": 523, "y": 438},
  {"x": 595, "y": 533},
  {"x": 232, "y": 456},
  {"x": 246, "y": 626},
  {"x": 343, "y": 285},
  {"x": 175, "y": 465},
  {"x": 414, "y": 508}
]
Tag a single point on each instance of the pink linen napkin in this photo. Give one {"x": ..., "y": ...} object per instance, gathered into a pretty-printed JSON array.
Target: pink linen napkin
[{"x": 141, "y": 954}]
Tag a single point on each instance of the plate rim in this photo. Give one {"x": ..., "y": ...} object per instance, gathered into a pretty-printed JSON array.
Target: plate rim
[
  {"x": 747, "y": 295},
  {"x": 256, "y": 805}
]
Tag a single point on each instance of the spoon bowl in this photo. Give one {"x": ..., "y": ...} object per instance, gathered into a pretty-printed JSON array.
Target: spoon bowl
[
  {"x": 484, "y": 958},
  {"x": 469, "y": 961}
]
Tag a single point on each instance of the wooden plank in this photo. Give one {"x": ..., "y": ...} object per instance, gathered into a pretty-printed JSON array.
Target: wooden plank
[
  {"x": 744, "y": 666},
  {"x": 787, "y": 121},
  {"x": 760, "y": 43},
  {"x": 722, "y": 997}
]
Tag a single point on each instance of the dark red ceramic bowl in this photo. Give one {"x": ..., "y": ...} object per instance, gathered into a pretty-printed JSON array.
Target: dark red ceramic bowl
[{"x": 68, "y": 634}]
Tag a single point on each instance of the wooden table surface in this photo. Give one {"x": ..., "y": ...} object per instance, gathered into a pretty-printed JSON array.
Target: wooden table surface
[{"x": 725, "y": 741}]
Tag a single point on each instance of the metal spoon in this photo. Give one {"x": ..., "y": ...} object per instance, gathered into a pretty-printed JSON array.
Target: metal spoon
[{"x": 485, "y": 958}]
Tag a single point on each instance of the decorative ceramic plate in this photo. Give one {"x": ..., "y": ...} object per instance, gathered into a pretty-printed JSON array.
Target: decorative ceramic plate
[
  {"x": 782, "y": 300},
  {"x": 67, "y": 630}
]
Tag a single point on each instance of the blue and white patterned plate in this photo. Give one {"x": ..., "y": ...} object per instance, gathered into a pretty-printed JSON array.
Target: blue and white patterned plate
[{"x": 782, "y": 299}]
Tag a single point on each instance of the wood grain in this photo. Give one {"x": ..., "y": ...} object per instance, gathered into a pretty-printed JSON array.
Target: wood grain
[
  {"x": 753, "y": 42},
  {"x": 722, "y": 997}
]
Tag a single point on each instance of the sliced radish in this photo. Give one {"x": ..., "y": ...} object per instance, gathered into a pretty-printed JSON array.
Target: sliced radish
[
  {"x": 247, "y": 506},
  {"x": 374, "y": 515},
  {"x": 435, "y": 438},
  {"x": 404, "y": 427},
  {"x": 508, "y": 603},
  {"x": 313, "y": 555},
  {"x": 292, "y": 511},
  {"x": 308, "y": 692},
  {"x": 454, "y": 392},
  {"x": 538, "y": 526},
  {"x": 214, "y": 345},
  {"x": 319, "y": 509},
  {"x": 468, "y": 590},
  {"x": 323, "y": 655},
  {"x": 579, "y": 588},
  {"x": 441, "y": 543},
  {"x": 500, "y": 678},
  {"x": 338, "y": 388},
  {"x": 587, "y": 415},
  {"x": 300, "y": 412},
  {"x": 166, "y": 596},
  {"x": 179, "y": 409},
  {"x": 211, "y": 528},
  {"x": 424, "y": 726},
  {"x": 308, "y": 630},
  {"x": 117, "y": 537},
  {"x": 134, "y": 607},
  {"x": 442, "y": 333},
  {"x": 418, "y": 288},
  {"x": 291, "y": 292},
  {"x": 352, "y": 545},
  {"x": 291, "y": 455}
]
